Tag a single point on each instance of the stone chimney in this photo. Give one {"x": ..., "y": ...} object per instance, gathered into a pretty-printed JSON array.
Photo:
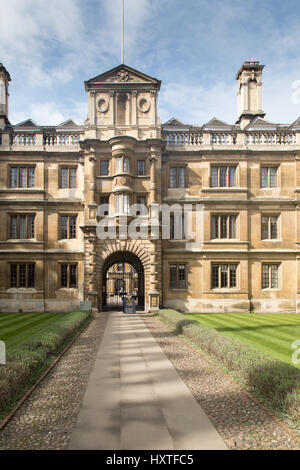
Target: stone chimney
[
  {"x": 249, "y": 92},
  {"x": 4, "y": 81}
]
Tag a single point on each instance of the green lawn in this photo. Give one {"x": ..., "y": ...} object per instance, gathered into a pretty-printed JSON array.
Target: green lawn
[
  {"x": 16, "y": 328},
  {"x": 269, "y": 333}
]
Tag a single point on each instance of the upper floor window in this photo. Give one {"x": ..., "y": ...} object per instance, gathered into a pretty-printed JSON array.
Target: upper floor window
[
  {"x": 223, "y": 226},
  {"x": 122, "y": 165},
  {"x": 177, "y": 227},
  {"x": 177, "y": 177},
  {"x": 223, "y": 275},
  {"x": 68, "y": 278},
  {"x": 22, "y": 177},
  {"x": 68, "y": 226},
  {"x": 122, "y": 203},
  {"x": 269, "y": 177},
  {"x": 22, "y": 275},
  {"x": 22, "y": 226},
  {"x": 177, "y": 276},
  {"x": 68, "y": 177},
  {"x": 141, "y": 167},
  {"x": 270, "y": 276},
  {"x": 223, "y": 176},
  {"x": 104, "y": 167},
  {"x": 269, "y": 227}
]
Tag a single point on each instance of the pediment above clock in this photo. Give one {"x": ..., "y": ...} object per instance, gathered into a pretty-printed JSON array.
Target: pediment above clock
[{"x": 122, "y": 75}]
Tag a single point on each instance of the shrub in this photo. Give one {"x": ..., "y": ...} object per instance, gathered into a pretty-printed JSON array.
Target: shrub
[
  {"x": 271, "y": 380},
  {"x": 28, "y": 360}
]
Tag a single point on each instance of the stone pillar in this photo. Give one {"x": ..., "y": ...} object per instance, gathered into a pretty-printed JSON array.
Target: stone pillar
[
  {"x": 153, "y": 293},
  {"x": 92, "y": 206},
  {"x": 91, "y": 272},
  {"x": 152, "y": 177}
]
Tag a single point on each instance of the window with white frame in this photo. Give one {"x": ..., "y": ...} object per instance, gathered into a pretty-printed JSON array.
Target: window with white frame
[
  {"x": 223, "y": 275},
  {"x": 68, "y": 275},
  {"x": 223, "y": 226},
  {"x": 270, "y": 275},
  {"x": 122, "y": 203},
  {"x": 177, "y": 276},
  {"x": 22, "y": 177},
  {"x": 68, "y": 177},
  {"x": 22, "y": 226},
  {"x": 177, "y": 177},
  {"x": 223, "y": 176},
  {"x": 269, "y": 176},
  {"x": 122, "y": 164},
  {"x": 269, "y": 227}
]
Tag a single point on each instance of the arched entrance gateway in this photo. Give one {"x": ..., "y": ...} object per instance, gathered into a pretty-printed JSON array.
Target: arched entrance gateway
[{"x": 122, "y": 275}]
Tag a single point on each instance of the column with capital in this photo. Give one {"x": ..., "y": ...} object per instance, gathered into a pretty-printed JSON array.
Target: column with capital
[
  {"x": 152, "y": 176},
  {"x": 92, "y": 206}
]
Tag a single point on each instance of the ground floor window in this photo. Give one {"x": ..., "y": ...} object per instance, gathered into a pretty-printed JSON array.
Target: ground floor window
[
  {"x": 270, "y": 276},
  {"x": 69, "y": 275},
  {"x": 22, "y": 275},
  {"x": 177, "y": 276},
  {"x": 224, "y": 275}
]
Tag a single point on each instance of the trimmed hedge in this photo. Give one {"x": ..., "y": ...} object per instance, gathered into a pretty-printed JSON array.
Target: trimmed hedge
[
  {"x": 267, "y": 378},
  {"x": 27, "y": 361}
]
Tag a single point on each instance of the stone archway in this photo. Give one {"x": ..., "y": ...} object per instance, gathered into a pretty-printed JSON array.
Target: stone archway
[
  {"x": 122, "y": 275},
  {"x": 132, "y": 252}
]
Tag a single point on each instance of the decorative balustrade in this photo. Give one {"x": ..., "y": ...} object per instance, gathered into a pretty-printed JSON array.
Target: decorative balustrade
[
  {"x": 24, "y": 140},
  {"x": 270, "y": 138},
  {"x": 184, "y": 138},
  {"x": 61, "y": 139},
  {"x": 222, "y": 139},
  {"x": 230, "y": 138}
]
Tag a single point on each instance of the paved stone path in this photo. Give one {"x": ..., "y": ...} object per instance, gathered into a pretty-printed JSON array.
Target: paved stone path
[{"x": 135, "y": 398}]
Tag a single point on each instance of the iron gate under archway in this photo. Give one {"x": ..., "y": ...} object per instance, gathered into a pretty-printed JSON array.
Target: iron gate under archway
[{"x": 123, "y": 276}]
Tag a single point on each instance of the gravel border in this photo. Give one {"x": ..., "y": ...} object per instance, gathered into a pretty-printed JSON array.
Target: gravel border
[
  {"x": 241, "y": 422},
  {"x": 46, "y": 420}
]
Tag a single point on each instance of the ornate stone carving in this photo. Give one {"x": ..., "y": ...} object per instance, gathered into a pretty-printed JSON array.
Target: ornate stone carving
[
  {"x": 144, "y": 105},
  {"x": 102, "y": 104},
  {"x": 123, "y": 76}
]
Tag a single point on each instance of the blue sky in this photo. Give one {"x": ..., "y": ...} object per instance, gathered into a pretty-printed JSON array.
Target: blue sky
[{"x": 194, "y": 46}]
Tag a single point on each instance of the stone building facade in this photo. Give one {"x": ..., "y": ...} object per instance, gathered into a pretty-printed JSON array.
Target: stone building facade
[{"x": 243, "y": 178}]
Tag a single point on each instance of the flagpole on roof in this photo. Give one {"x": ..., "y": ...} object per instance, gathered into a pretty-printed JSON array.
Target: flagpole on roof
[{"x": 123, "y": 31}]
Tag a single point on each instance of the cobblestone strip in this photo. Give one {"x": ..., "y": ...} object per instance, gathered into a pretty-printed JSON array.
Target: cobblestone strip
[
  {"x": 45, "y": 421},
  {"x": 242, "y": 423}
]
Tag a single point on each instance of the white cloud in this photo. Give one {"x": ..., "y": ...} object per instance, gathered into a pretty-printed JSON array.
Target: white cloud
[
  {"x": 48, "y": 46},
  {"x": 196, "y": 104},
  {"x": 41, "y": 113},
  {"x": 32, "y": 31}
]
